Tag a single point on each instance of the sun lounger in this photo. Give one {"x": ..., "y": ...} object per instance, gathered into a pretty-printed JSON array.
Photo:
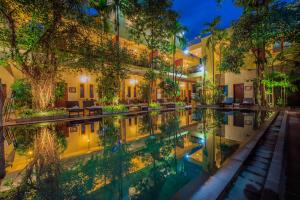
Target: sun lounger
[
  {"x": 92, "y": 108},
  {"x": 247, "y": 102},
  {"x": 73, "y": 107},
  {"x": 227, "y": 101}
]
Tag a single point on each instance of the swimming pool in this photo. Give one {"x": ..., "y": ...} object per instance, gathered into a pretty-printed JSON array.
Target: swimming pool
[{"x": 149, "y": 156}]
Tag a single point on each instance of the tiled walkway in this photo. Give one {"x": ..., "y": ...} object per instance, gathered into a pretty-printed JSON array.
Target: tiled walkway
[
  {"x": 293, "y": 157},
  {"x": 250, "y": 181}
]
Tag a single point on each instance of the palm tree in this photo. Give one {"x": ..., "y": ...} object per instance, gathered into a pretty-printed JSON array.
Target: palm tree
[
  {"x": 222, "y": 38},
  {"x": 178, "y": 38},
  {"x": 211, "y": 28}
]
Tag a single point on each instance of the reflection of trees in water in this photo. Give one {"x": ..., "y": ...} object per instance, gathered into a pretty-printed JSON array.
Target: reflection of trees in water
[
  {"x": 100, "y": 176},
  {"x": 41, "y": 176},
  {"x": 152, "y": 185}
]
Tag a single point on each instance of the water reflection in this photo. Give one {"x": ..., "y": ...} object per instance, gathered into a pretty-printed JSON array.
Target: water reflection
[{"x": 139, "y": 157}]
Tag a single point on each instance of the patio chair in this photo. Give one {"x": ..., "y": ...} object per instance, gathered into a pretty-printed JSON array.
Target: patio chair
[
  {"x": 247, "y": 102},
  {"x": 90, "y": 106},
  {"x": 227, "y": 101},
  {"x": 73, "y": 107}
]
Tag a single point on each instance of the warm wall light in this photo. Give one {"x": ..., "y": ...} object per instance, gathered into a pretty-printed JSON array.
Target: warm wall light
[
  {"x": 133, "y": 81},
  {"x": 186, "y": 51},
  {"x": 84, "y": 79}
]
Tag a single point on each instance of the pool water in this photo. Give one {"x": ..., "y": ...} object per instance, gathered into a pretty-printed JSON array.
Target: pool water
[{"x": 150, "y": 156}]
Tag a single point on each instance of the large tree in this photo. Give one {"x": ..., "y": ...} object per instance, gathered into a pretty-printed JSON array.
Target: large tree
[
  {"x": 179, "y": 41},
  {"x": 261, "y": 24},
  {"x": 211, "y": 28},
  {"x": 152, "y": 21},
  {"x": 35, "y": 32}
]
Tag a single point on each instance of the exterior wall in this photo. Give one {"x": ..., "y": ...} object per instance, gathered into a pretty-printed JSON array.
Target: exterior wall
[
  {"x": 75, "y": 79},
  {"x": 245, "y": 77},
  {"x": 6, "y": 79}
]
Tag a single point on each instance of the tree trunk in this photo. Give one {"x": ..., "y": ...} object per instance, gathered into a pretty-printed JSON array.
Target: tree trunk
[
  {"x": 174, "y": 66},
  {"x": 42, "y": 93}
]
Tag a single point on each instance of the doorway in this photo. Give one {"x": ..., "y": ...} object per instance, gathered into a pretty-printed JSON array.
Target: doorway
[{"x": 238, "y": 93}]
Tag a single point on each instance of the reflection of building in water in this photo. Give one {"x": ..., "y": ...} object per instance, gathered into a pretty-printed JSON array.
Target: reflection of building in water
[
  {"x": 85, "y": 137},
  {"x": 124, "y": 151},
  {"x": 239, "y": 126}
]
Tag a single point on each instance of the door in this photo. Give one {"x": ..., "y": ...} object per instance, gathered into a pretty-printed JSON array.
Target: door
[{"x": 238, "y": 93}]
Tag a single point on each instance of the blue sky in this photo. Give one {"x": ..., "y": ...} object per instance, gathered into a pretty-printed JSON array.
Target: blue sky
[{"x": 194, "y": 13}]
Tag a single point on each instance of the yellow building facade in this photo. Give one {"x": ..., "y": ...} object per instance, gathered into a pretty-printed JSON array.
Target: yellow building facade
[{"x": 236, "y": 86}]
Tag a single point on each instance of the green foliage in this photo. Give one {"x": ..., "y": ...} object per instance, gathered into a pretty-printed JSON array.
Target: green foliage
[
  {"x": 150, "y": 75},
  {"x": 280, "y": 102},
  {"x": 21, "y": 91},
  {"x": 180, "y": 104},
  {"x": 152, "y": 21},
  {"x": 113, "y": 67},
  {"x": 30, "y": 113},
  {"x": 115, "y": 108},
  {"x": 154, "y": 105},
  {"x": 169, "y": 87},
  {"x": 30, "y": 33},
  {"x": 144, "y": 92},
  {"x": 233, "y": 59},
  {"x": 59, "y": 90}
]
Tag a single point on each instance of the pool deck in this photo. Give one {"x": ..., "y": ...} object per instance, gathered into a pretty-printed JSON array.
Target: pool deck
[{"x": 91, "y": 117}]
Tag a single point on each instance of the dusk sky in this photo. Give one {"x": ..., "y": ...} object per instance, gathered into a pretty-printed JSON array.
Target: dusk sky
[{"x": 194, "y": 13}]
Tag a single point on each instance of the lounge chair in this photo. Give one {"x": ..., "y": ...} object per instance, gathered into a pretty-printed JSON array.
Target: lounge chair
[
  {"x": 227, "y": 101},
  {"x": 92, "y": 108},
  {"x": 139, "y": 106},
  {"x": 247, "y": 102},
  {"x": 73, "y": 107}
]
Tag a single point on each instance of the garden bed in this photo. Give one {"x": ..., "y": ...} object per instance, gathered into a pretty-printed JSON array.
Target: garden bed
[{"x": 32, "y": 115}]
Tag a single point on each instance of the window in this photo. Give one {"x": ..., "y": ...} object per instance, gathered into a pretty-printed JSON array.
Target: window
[
  {"x": 129, "y": 92},
  {"x": 134, "y": 91},
  {"x": 81, "y": 90},
  {"x": 91, "y": 91}
]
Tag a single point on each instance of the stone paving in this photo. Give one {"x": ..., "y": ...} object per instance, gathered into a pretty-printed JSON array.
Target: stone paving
[
  {"x": 292, "y": 171},
  {"x": 251, "y": 179}
]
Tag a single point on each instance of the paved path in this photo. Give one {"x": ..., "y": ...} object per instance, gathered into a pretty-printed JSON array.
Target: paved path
[
  {"x": 251, "y": 180},
  {"x": 293, "y": 157}
]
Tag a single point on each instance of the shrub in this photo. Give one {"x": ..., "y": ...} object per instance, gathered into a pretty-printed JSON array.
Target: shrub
[
  {"x": 115, "y": 108},
  {"x": 21, "y": 91},
  {"x": 59, "y": 90},
  {"x": 180, "y": 104},
  {"x": 29, "y": 113},
  {"x": 154, "y": 105}
]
